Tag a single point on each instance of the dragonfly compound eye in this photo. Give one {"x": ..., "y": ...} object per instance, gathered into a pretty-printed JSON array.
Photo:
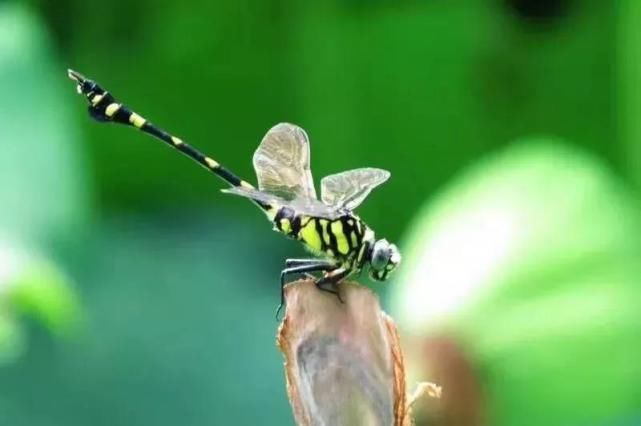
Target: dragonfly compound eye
[
  {"x": 381, "y": 254},
  {"x": 395, "y": 258}
]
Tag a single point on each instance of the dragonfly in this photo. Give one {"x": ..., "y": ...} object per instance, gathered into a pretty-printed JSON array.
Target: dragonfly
[{"x": 342, "y": 244}]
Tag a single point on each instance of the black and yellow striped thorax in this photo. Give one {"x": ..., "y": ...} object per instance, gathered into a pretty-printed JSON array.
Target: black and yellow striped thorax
[{"x": 345, "y": 238}]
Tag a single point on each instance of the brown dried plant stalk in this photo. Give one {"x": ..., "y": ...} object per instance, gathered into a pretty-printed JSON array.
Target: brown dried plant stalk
[{"x": 343, "y": 361}]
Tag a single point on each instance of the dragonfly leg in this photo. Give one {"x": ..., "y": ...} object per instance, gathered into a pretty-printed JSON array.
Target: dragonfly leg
[
  {"x": 302, "y": 266},
  {"x": 330, "y": 280},
  {"x": 297, "y": 262}
]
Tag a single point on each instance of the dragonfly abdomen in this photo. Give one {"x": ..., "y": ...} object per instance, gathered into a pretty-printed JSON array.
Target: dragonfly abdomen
[{"x": 339, "y": 238}]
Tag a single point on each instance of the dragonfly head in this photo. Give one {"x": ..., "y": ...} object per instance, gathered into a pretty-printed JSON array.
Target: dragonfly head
[{"x": 384, "y": 258}]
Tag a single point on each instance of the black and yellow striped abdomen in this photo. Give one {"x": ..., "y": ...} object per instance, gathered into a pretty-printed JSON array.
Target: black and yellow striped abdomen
[
  {"x": 104, "y": 107},
  {"x": 340, "y": 238}
]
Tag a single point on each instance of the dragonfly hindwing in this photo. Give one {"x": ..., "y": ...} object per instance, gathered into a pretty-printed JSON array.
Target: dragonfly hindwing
[{"x": 347, "y": 190}]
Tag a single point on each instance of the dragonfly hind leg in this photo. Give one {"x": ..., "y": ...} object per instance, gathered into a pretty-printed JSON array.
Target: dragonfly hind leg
[{"x": 301, "y": 266}]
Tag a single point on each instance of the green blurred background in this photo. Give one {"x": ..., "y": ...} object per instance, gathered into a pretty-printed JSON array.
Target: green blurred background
[{"x": 132, "y": 292}]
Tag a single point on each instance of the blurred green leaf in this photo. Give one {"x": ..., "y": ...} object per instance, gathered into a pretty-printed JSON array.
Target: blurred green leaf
[
  {"x": 530, "y": 260},
  {"x": 43, "y": 293},
  {"x": 44, "y": 191},
  {"x": 34, "y": 289},
  {"x": 43, "y": 186}
]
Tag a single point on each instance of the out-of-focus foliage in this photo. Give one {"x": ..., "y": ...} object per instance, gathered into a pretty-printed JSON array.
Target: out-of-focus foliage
[
  {"x": 32, "y": 289},
  {"x": 176, "y": 333},
  {"x": 43, "y": 187},
  {"x": 43, "y": 197},
  {"x": 629, "y": 85},
  {"x": 531, "y": 262},
  {"x": 42, "y": 292},
  {"x": 179, "y": 282}
]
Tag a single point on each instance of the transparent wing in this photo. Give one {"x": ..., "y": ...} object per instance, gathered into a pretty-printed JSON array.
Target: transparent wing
[
  {"x": 306, "y": 206},
  {"x": 256, "y": 195},
  {"x": 349, "y": 189},
  {"x": 282, "y": 163}
]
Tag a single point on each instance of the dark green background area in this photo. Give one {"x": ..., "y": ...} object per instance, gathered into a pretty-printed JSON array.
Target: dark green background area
[
  {"x": 178, "y": 283},
  {"x": 420, "y": 88}
]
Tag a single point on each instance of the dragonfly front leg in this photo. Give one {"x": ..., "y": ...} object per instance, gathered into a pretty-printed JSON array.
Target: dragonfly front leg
[{"x": 330, "y": 280}]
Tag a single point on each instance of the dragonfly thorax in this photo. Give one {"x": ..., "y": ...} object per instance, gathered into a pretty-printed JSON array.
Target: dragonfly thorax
[
  {"x": 347, "y": 239},
  {"x": 341, "y": 238}
]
